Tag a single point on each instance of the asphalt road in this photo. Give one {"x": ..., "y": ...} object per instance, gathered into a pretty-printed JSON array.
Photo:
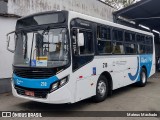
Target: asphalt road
[{"x": 130, "y": 98}]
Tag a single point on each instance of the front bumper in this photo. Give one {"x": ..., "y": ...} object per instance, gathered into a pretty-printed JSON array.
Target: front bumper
[{"x": 60, "y": 96}]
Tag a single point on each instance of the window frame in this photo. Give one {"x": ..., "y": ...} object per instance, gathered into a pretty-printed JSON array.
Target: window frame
[
  {"x": 130, "y": 44},
  {"x": 77, "y": 48},
  {"x": 149, "y": 45},
  {"x": 98, "y": 35},
  {"x": 123, "y": 31},
  {"x": 144, "y": 43}
]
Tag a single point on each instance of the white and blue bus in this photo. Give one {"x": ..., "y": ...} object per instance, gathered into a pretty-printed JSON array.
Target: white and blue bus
[{"x": 65, "y": 57}]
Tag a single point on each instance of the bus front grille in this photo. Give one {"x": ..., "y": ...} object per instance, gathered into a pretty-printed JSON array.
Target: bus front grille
[
  {"x": 34, "y": 73},
  {"x": 38, "y": 93}
]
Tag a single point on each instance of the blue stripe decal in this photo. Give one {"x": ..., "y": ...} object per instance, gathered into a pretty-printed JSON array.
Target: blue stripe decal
[
  {"x": 133, "y": 77},
  {"x": 145, "y": 60},
  {"x": 34, "y": 83}
]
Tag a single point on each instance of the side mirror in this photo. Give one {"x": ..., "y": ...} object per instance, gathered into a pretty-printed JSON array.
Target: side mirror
[
  {"x": 80, "y": 39},
  {"x": 11, "y": 41}
]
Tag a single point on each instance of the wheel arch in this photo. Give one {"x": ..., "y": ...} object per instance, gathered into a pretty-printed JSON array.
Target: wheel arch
[
  {"x": 145, "y": 68},
  {"x": 109, "y": 80}
]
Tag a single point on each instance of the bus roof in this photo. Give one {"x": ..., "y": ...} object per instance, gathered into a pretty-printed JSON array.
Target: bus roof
[
  {"x": 74, "y": 14},
  {"x": 105, "y": 22}
]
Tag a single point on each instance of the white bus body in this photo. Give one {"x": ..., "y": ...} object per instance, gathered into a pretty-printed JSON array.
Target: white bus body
[{"x": 119, "y": 69}]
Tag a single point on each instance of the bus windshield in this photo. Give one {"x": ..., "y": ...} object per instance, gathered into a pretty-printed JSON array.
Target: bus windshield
[{"x": 42, "y": 48}]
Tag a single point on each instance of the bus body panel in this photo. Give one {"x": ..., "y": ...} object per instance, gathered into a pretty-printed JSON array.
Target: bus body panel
[{"x": 122, "y": 68}]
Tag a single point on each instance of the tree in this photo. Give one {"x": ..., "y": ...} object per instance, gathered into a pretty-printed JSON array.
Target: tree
[{"x": 118, "y": 4}]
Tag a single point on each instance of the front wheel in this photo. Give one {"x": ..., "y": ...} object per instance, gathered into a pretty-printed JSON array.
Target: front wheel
[
  {"x": 143, "y": 78},
  {"x": 101, "y": 89}
]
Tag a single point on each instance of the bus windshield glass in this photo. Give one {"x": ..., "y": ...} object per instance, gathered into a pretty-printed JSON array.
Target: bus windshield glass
[{"x": 42, "y": 48}]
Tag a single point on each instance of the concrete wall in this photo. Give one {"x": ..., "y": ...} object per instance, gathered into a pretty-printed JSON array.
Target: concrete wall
[
  {"x": 3, "y": 7},
  {"x": 6, "y": 25},
  {"x": 90, "y": 7}
]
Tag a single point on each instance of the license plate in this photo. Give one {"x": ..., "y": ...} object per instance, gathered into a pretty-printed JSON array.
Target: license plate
[{"x": 29, "y": 93}]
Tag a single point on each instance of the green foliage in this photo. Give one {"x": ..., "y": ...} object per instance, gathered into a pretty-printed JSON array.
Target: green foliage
[{"x": 118, "y": 4}]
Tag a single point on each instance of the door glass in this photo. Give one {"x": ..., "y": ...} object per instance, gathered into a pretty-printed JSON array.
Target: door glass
[{"x": 88, "y": 43}]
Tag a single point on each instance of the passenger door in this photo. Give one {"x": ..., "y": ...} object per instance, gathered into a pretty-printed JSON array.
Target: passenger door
[{"x": 82, "y": 57}]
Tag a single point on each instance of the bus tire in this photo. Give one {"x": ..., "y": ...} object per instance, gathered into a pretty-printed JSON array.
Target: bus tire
[
  {"x": 101, "y": 89},
  {"x": 143, "y": 78}
]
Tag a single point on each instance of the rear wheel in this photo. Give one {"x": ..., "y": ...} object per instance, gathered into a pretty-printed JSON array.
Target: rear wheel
[
  {"x": 143, "y": 78},
  {"x": 101, "y": 89}
]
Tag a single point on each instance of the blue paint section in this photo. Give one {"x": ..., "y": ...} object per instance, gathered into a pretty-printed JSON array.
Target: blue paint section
[
  {"x": 34, "y": 83},
  {"x": 142, "y": 60},
  {"x": 146, "y": 60},
  {"x": 133, "y": 77}
]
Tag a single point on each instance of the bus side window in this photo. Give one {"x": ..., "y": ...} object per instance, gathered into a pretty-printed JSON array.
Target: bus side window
[
  {"x": 149, "y": 49},
  {"x": 149, "y": 45},
  {"x": 141, "y": 49},
  {"x": 118, "y": 46},
  {"x": 129, "y": 37},
  {"x": 88, "y": 43},
  {"x": 130, "y": 48},
  {"x": 149, "y": 40},
  {"x": 104, "y": 40},
  {"x": 141, "y": 44}
]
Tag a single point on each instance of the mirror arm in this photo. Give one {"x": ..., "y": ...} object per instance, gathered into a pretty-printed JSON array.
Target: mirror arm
[
  {"x": 8, "y": 46},
  {"x": 10, "y": 33},
  {"x": 8, "y": 40},
  {"x": 12, "y": 51}
]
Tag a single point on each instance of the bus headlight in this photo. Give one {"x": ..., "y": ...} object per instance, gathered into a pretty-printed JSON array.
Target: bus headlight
[
  {"x": 59, "y": 84},
  {"x": 63, "y": 81},
  {"x": 55, "y": 86}
]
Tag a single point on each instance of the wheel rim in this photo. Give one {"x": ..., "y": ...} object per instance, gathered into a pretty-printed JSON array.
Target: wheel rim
[
  {"x": 143, "y": 77},
  {"x": 102, "y": 88}
]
